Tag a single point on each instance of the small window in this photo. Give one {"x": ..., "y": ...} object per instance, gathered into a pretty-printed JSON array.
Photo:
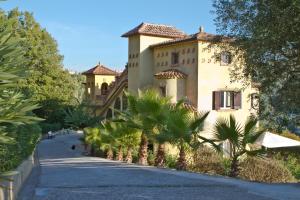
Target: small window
[
  {"x": 167, "y": 53},
  {"x": 158, "y": 55},
  {"x": 188, "y": 50},
  {"x": 188, "y": 61},
  {"x": 136, "y": 64},
  {"x": 193, "y": 61},
  {"x": 227, "y": 100},
  {"x": 175, "y": 58},
  {"x": 157, "y": 64},
  {"x": 194, "y": 50},
  {"x": 183, "y": 51},
  {"x": 166, "y": 63},
  {"x": 132, "y": 56},
  {"x": 225, "y": 58},
  {"x": 137, "y": 55},
  {"x": 183, "y": 61},
  {"x": 129, "y": 55},
  {"x": 163, "y": 91},
  {"x": 162, "y": 64},
  {"x": 162, "y": 54}
]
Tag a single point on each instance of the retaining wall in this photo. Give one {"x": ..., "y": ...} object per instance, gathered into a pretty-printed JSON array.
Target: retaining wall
[{"x": 13, "y": 186}]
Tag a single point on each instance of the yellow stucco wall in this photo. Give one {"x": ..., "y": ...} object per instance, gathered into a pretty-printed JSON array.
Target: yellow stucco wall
[
  {"x": 188, "y": 54},
  {"x": 99, "y": 79},
  {"x": 140, "y": 68},
  {"x": 94, "y": 82},
  {"x": 212, "y": 76}
]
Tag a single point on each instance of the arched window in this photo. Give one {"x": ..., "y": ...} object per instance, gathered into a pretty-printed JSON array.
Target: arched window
[
  {"x": 118, "y": 104},
  {"x": 104, "y": 88},
  {"x": 109, "y": 114},
  {"x": 124, "y": 101}
]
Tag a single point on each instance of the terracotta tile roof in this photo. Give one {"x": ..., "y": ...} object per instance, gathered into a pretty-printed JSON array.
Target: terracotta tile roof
[
  {"x": 170, "y": 73},
  {"x": 100, "y": 70},
  {"x": 155, "y": 30},
  {"x": 187, "y": 106},
  {"x": 201, "y": 36}
]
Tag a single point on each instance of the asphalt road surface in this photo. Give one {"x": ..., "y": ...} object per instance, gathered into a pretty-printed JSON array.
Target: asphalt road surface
[{"x": 65, "y": 174}]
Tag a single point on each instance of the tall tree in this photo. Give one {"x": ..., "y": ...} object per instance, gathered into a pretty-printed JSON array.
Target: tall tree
[
  {"x": 267, "y": 32},
  {"x": 15, "y": 109},
  {"x": 47, "y": 83}
]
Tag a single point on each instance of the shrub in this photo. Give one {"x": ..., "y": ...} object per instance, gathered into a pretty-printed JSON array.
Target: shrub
[
  {"x": 151, "y": 157},
  {"x": 46, "y": 127},
  {"x": 206, "y": 160},
  {"x": 265, "y": 170},
  {"x": 290, "y": 135},
  {"x": 290, "y": 159},
  {"x": 171, "y": 161},
  {"x": 25, "y": 140}
]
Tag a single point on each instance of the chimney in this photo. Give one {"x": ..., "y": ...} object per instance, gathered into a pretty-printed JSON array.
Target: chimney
[{"x": 201, "y": 29}]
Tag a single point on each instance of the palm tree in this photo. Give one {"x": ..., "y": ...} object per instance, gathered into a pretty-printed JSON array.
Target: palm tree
[
  {"x": 181, "y": 127},
  {"x": 92, "y": 137},
  {"x": 145, "y": 113},
  {"x": 239, "y": 137}
]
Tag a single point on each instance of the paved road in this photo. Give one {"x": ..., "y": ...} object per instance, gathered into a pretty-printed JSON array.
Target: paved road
[{"x": 65, "y": 174}]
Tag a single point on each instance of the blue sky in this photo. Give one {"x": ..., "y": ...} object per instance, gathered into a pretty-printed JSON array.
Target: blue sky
[{"x": 88, "y": 31}]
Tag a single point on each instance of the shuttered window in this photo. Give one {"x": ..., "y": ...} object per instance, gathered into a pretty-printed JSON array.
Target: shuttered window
[{"x": 226, "y": 100}]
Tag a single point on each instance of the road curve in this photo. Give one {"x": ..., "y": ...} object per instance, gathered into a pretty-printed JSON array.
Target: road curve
[{"x": 65, "y": 174}]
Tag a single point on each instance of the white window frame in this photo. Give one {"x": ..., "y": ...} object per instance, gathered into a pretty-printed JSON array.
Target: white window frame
[{"x": 226, "y": 94}]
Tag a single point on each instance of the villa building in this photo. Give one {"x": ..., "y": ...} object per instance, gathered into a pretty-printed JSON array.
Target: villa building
[{"x": 180, "y": 66}]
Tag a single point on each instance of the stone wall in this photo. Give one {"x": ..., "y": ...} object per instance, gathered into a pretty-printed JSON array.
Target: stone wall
[{"x": 17, "y": 179}]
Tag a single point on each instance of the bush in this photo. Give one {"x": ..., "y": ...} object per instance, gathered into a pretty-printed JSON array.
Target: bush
[
  {"x": 206, "y": 160},
  {"x": 171, "y": 161},
  {"x": 151, "y": 157},
  {"x": 290, "y": 159},
  {"x": 265, "y": 170},
  {"x": 25, "y": 140},
  {"x": 290, "y": 135},
  {"x": 46, "y": 127}
]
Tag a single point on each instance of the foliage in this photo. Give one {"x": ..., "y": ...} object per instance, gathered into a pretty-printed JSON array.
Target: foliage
[
  {"x": 25, "y": 140},
  {"x": 238, "y": 137},
  {"x": 46, "y": 127},
  {"x": 290, "y": 135},
  {"x": 80, "y": 117},
  {"x": 171, "y": 161},
  {"x": 48, "y": 84},
  {"x": 289, "y": 157},
  {"x": 270, "y": 171},
  {"x": 145, "y": 113},
  {"x": 151, "y": 157},
  {"x": 181, "y": 127},
  {"x": 207, "y": 160},
  {"x": 267, "y": 34}
]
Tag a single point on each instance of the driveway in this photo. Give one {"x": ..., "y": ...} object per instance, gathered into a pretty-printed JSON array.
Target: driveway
[{"x": 66, "y": 174}]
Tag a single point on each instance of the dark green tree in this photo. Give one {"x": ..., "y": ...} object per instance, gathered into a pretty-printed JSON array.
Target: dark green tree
[
  {"x": 48, "y": 83},
  {"x": 267, "y": 32}
]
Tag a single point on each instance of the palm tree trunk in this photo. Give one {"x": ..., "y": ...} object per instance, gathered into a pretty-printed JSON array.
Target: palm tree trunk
[
  {"x": 109, "y": 154},
  {"x": 160, "y": 156},
  {"x": 120, "y": 154},
  {"x": 181, "y": 162},
  {"x": 143, "y": 151},
  {"x": 128, "y": 158},
  {"x": 234, "y": 168}
]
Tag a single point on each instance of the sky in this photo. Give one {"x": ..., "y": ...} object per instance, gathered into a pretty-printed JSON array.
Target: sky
[{"x": 88, "y": 31}]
